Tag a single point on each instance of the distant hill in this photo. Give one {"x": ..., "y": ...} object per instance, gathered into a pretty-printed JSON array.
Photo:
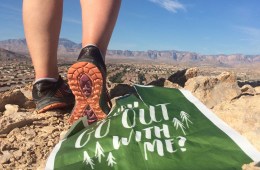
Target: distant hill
[
  {"x": 15, "y": 45},
  {"x": 69, "y": 50},
  {"x": 6, "y": 55}
]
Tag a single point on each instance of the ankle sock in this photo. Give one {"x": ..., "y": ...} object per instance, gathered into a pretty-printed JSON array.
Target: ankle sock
[{"x": 47, "y": 78}]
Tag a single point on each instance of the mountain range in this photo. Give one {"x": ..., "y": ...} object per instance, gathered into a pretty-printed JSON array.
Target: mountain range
[{"x": 68, "y": 50}]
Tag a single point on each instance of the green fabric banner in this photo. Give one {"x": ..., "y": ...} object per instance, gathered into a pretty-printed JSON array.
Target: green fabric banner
[{"x": 154, "y": 129}]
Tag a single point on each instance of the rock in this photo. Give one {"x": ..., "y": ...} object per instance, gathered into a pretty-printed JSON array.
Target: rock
[
  {"x": 247, "y": 89},
  {"x": 30, "y": 145},
  {"x": 169, "y": 84},
  {"x": 18, "y": 120},
  {"x": 11, "y": 109},
  {"x": 160, "y": 82},
  {"x": 243, "y": 115},
  {"x": 29, "y": 105},
  {"x": 181, "y": 77},
  {"x": 42, "y": 165},
  {"x": 120, "y": 90},
  {"x": 50, "y": 143},
  {"x": 257, "y": 90},
  {"x": 178, "y": 77},
  {"x": 5, "y": 146},
  {"x": 251, "y": 166},
  {"x": 12, "y": 139},
  {"x": 227, "y": 77},
  {"x": 5, "y": 158},
  {"x": 18, "y": 154},
  {"x": 15, "y": 97},
  {"x": 192, "y": 72},
  {"x": 49, "y": 129},
  {"x": 214, "y": 90},
  {"x": 27, "y": 93}
]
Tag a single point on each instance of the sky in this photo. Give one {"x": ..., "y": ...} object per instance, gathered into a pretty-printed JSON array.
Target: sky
[{"x": 201, "y": 26}]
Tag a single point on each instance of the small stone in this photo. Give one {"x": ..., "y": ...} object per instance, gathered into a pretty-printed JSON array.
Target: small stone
[
  {"x": 31, "y": 132},
  {"x": 50, "y": 143},
  {"x": 49, "y": 129},
  {"x": 5, "y": 146},
  {"x": 12, "y": 139},
  {"x": 29, "y": 145},
  {"x": 5, "y": 158},
  {"x": 18, "y": 154},
  {"x": 10, "y": 109}
]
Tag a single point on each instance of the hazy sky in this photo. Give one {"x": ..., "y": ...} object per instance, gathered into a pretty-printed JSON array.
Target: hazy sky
[{"x": 203, "y": 26}]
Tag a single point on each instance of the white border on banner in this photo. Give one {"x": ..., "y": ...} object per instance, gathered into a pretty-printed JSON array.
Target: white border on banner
[
  {"x": 241, "y": 141},
  {"x": 51, "y": 159}
]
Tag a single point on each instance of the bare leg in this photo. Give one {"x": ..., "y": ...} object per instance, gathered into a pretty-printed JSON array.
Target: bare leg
[
  {"x": 42, "y": 22},
  {"x": 98, "y": 21}
]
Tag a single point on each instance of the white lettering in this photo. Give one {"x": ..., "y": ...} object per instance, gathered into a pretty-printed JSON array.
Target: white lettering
[
  {"x": 151, "y": 147},
  {"x": 125, "y": 119},
  {"x": 78, "y": 141},
  {"x": 148, "y": 132},
  {"x": 181, "y": 143},
  {"x": 165, "y": 131},
  {"x": 125, "y": 141},
  {"x": 98, "y": 130},
  {"x": 142, "y": 117},
  {"x": 138, "y": 136},
  {"x": 169, "y": 143},
  {"x": 164, "y": 110},
  {"x": 152, "y": 114}
]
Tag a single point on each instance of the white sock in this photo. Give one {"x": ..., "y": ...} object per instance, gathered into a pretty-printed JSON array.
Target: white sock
[{"x": 47, "y": 78}]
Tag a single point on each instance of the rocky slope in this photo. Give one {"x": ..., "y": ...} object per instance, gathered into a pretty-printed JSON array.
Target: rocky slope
[{"x": 26, "y": 138}]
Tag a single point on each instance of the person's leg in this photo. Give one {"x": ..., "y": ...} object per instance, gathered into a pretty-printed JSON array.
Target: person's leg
[
  {"x": 42, "y": 23},
  {"x": 98, "y": 21},
  {"x": 87, "y": 77}
]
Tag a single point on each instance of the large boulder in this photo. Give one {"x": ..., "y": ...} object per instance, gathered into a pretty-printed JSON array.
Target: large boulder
[
  {"x": 14, "y": 97},
  {"x": 214, "y": 90},
  {"x": 242, "y": 114},
  {"x": 120, "y": 90},
  {"x": 181, "y": 77}
]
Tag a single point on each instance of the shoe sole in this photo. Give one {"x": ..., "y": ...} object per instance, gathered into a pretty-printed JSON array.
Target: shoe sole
[
  {"x": 86, "y": 81},
  {"x": 52, "y": 106}
]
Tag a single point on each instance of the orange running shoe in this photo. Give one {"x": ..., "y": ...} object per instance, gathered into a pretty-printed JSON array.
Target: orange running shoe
[{"x": 87, "y": 80}]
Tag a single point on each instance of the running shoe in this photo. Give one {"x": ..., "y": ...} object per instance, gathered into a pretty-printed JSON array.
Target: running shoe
[
  {"x": 49, "y": 95},
  {"x": 87, "y": 80}
]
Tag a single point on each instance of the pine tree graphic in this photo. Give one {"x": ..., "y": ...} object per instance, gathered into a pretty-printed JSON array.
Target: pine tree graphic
[
  {"x": 178, "y": 124},
  {"x": 88, "y": 160},
  {"x": 111, "y": 159},
  {"x": 99, "y": 152},
  {"x": 185, "y": 118}
]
